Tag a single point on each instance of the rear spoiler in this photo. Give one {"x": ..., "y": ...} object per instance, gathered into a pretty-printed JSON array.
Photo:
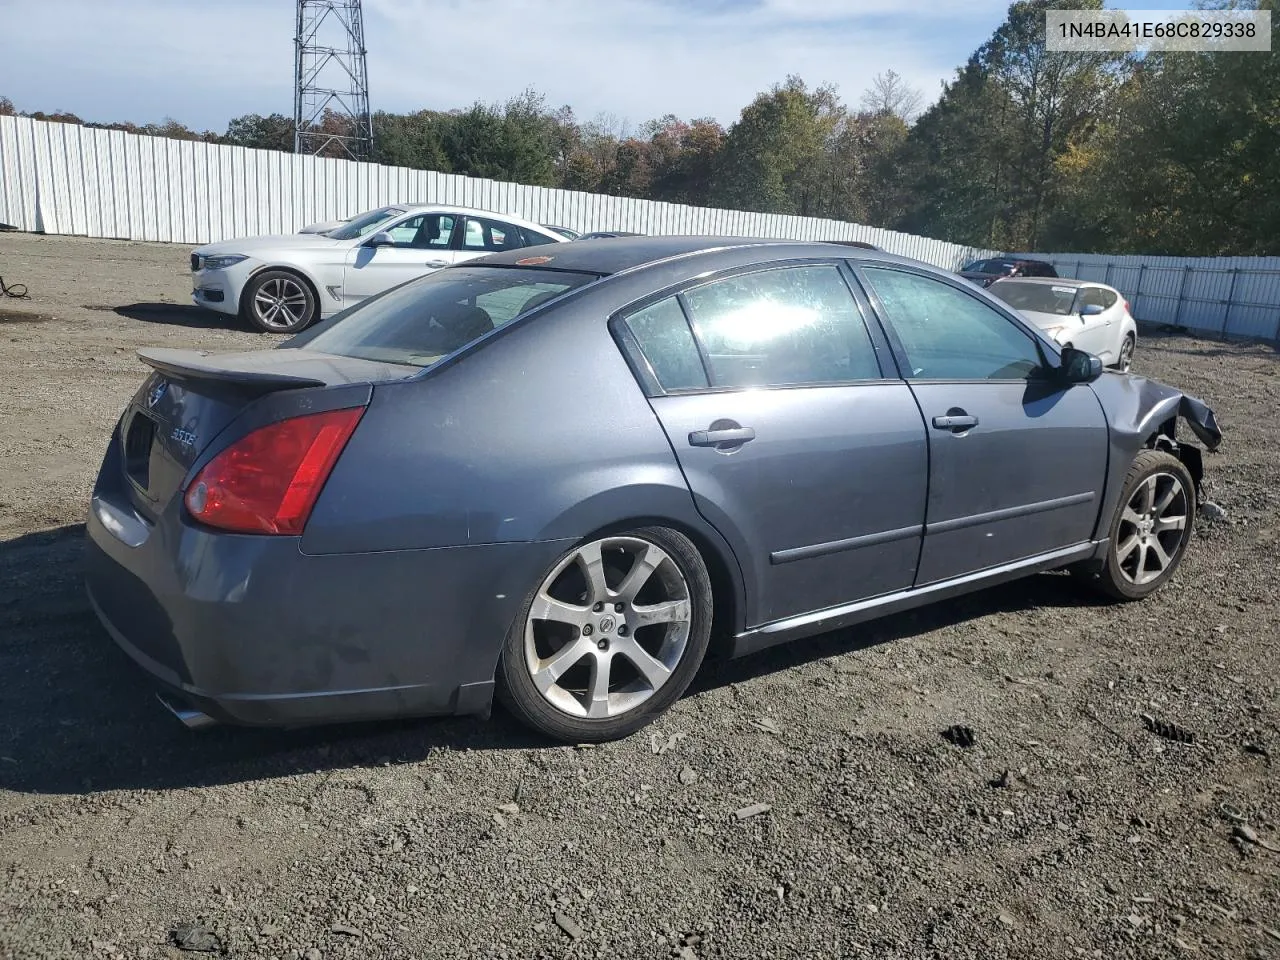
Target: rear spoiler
[{"x": 240, "y": 369}]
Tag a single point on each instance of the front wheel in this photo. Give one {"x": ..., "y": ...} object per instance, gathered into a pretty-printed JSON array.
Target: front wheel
[
  {"x": 610, "y": 638},
  {"x": 1151, "y": 528},
  {"x": 277, "y": 301}
]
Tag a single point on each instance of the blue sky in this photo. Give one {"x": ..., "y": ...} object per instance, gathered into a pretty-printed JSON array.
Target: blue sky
[{"x": 205, "y": 62}]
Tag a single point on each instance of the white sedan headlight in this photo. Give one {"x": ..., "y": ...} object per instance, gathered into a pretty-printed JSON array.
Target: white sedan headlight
[
  {"x": 221, "y": 262},
  {"x": 1054, "y": 332}
]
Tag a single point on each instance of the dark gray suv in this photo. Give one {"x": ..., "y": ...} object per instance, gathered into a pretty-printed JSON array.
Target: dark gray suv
[{"x": 557, "y": 475}]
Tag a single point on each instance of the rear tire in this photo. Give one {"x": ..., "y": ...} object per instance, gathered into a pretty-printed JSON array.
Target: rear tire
[
  {"x": 609, "y": 638},
  {"x": 278, "y": 301},
  {"x": 1125, "y": 360},
  {"x": 1151, "y": 527}
]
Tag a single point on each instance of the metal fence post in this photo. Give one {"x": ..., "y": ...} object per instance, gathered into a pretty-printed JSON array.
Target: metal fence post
[
  {"x": 1106, "y": 277},
  {"x": 1231, "y": 295},
  {"x": 1177, "y": 316},
  {"x": 1137, "y": 291}
]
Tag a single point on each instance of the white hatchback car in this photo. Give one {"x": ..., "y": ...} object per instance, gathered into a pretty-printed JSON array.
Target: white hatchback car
[
  {"x": 1089, "y": 316},
  {"x": 281, "y": 284}
]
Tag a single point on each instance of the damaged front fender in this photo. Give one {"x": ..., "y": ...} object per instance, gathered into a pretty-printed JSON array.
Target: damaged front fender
[{"x": 1144, "y": 413}]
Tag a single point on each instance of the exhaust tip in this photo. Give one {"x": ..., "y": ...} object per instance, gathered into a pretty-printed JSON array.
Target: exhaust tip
[{"x": 191, "y": 719}]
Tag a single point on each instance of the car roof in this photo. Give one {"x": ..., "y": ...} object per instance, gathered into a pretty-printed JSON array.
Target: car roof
[
  {"x": 615, "y": 254},
  {"x": 1054, "y": 281},
  {"x": 462, "y": 211}
]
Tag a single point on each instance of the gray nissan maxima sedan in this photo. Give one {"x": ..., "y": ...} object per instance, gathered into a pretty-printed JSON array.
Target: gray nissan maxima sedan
[{"x": 557, "y": 477}]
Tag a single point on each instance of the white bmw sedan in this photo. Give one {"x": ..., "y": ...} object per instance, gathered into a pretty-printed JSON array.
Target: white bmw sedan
[
  {"x": 1089, "y": 316},
  {"x": 281, "y": 284}
]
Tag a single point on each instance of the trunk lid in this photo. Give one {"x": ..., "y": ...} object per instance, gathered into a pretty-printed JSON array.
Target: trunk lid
[{"x": 192, "y": 396}]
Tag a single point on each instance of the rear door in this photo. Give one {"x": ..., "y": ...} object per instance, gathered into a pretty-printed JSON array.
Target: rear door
[
  {"x": 423, "y": 243},
  {"x": 799, "y": 447},
  {"x": 1017, "y": 462}
]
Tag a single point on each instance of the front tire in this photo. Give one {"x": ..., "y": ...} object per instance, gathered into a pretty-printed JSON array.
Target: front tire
[
  {"x": 1151, "y": 528},
  {"x": 609, "y": 638},
  {"x": 278, "y": 301}
]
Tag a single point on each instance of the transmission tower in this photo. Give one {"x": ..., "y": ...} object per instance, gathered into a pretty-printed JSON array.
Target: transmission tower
[{"x": 331, "y": 83}]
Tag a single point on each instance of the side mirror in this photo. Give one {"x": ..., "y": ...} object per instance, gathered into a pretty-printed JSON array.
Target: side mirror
[
  {"x": 1079, "y": 367},
  {"x": 382, "y": 239},
  {"x": 1092, "y": 309}
]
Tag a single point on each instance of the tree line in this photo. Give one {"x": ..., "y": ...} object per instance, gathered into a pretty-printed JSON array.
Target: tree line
[{"x": 1024, "y": 149}]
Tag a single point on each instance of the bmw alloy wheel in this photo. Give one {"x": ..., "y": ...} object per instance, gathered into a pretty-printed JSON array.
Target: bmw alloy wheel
[{"x": 280, "y": 303}]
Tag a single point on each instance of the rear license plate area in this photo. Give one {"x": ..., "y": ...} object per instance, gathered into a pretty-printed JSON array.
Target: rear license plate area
[{"x": 137, "y": 449}]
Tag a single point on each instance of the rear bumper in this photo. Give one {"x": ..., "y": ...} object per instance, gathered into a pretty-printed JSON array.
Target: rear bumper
[{"x": 250, "y": 630}]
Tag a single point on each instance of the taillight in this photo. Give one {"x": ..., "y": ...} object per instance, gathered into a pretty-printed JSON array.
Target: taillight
[
  {"x": 1126, "y": 307},
  {"x": 268, "y": 481}
]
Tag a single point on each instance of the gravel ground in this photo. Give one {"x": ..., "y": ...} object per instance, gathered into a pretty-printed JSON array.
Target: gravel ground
[{"x": 1067, "y": 829}]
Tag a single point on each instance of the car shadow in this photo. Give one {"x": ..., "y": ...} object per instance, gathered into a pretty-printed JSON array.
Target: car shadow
[
  {"x": 79, "y": 717},
  {"x": 1054, "y": 590},
  {"x": 179, "y": 315}
]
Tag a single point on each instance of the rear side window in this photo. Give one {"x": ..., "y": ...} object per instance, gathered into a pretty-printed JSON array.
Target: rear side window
[
  {"x": 781, "y": 327},
  {"x": 532, "y": 238},
  {"x": 667, "y": 343},
  {"x": 422, "y": 322},
  {"x": 491, "y": 235}
]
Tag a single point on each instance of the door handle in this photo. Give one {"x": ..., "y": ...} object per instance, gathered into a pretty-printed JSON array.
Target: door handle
[
  {"x": 955, "y": 421},
  {"x": 436, "y": 263},
  {"x": 713, "y": 438}
]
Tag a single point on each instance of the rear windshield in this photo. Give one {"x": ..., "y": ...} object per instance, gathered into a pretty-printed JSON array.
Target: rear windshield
[
  {"x": 425, "y": 320},
  {"x": 365, "y": 223},
  {"x": 1035, "y": 297},
  {"x": 989, "y": 266}
]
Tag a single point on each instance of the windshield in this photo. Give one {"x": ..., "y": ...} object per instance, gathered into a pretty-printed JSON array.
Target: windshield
[
  {"x": 1036, "y": 297},
  {"x": 425, "y": 320},
  {"x": 989, "y": 266},
  {"x": 365, "y": 224}
]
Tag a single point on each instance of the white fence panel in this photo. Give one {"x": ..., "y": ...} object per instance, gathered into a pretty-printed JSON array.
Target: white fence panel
[{"x": 64, "y": 178}]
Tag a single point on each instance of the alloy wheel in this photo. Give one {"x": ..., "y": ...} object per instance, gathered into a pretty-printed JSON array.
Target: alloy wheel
[
  {"x": 607, "y": 628},
  {"x": 280, "y": 303},
  {"x": 1152, "y": 528},
  {"x": 1126, "y": 355}
]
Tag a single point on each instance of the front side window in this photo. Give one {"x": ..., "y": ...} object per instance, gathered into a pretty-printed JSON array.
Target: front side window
[
  {"x": 948, "y": 334},
  {"x": 781, "y": 327},
  {"x": 425, "y": 231},
  {"x": 422, "y": 322},
  {"x": 1096, "y": 296}
]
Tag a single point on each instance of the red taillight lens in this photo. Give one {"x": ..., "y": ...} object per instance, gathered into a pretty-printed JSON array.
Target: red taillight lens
[
  {"x": 1127, "y": 308},
  {"x": 268, "y": 481}
]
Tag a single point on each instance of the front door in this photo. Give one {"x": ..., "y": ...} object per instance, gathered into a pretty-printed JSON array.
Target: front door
[
  {"x": 1017, "y": 462},
  {"x": 798, "y": 449},
  {"x": 1098, "y": 334},
  {"x": 422, "y": 243}
]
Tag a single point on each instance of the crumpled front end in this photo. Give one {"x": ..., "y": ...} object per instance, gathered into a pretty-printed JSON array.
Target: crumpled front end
[{"x": 1144, "y": 414}]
